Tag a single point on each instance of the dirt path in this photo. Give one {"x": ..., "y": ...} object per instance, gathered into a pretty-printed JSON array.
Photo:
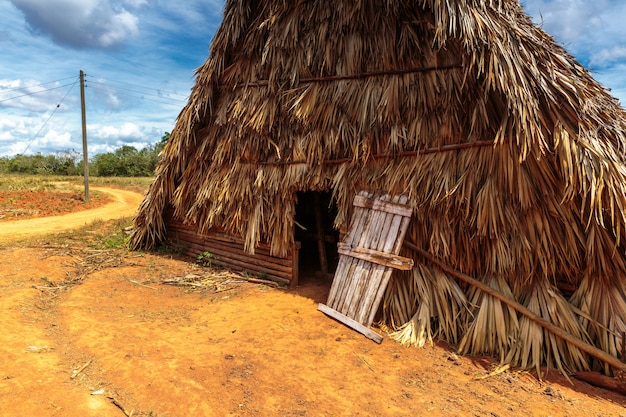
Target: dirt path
[{"x": 125, "y": 204}]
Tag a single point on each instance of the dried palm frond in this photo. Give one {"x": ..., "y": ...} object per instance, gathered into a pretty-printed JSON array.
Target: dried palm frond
[
  {"x": 535, "y": 345},
  {"x": 494, "y": 326},
  {"x": 440, "y": 304},
  {"x": 603, "y": 303}
]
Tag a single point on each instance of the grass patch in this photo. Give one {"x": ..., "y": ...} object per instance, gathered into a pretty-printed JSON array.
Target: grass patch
[
  {"x": 99, "y": 235},
  {"x": 28, "y": 183},
  {"x": 110, "y": 234},
  {"x": 58, "y": 182},
  {"x": 128, "y": 183}
]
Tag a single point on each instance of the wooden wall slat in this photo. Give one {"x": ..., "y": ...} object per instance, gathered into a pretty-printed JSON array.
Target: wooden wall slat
[{"x": 228, "y": 251}]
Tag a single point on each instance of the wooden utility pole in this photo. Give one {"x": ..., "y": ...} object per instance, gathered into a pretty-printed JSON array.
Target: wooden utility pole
[{"x": 84, "y": 117}]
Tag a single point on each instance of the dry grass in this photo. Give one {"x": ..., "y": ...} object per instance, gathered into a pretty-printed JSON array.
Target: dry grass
[
  {"x": 213, "y": 280},
  {"x": 59, "y": 182}
]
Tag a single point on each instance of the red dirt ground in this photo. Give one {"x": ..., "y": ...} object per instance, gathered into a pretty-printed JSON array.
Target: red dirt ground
[
  {"x": 16, "y": 205},
  {"x": 90, "y": 332}
]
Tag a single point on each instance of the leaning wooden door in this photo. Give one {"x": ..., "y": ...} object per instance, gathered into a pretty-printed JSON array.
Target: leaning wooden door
[{"x": 368, "y": 255}]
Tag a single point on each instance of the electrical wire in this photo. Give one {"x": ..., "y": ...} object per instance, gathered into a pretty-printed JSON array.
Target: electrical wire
[
  {"x": 50, "y": 117},
  {"x": 135, "y": 85},
  {"x": 37, "y": 85},
  {"x": 136, "y": 91},
  {"x": 37, "y": 92},
  {"x": 99, "y": 86},
  {"x": 178, "y": 103}
]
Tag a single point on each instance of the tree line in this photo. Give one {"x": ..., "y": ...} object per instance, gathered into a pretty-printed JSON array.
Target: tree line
[{"x": 126, "y": 161}]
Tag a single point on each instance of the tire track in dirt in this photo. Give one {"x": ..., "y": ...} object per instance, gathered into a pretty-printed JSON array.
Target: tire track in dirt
[{"x": 125, "y": 203}]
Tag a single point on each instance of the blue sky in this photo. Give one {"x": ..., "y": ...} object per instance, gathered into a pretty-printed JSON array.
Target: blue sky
[{"x": 140, "y": 57}]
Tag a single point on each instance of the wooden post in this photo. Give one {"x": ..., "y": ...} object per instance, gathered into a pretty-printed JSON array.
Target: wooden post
[
  {"x": 84, "y": 123},
  {"x": 321, "y": 238},
  {"x": 295, "y": 265}
]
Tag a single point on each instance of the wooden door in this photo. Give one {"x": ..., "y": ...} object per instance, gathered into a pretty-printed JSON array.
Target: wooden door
[{"x": 368, "y": 256}]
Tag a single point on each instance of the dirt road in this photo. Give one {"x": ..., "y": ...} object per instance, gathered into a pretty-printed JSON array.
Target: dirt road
[{"x": 125, "y": 204}]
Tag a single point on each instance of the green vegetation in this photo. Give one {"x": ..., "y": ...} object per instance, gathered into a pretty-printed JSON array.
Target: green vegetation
[
  {"x": 115, "y": 237},
  {"x": 126, "y": 161},
  {"x": 205, "y": 259},
  {"x": 27, "y": 182},
  {"x": 57, "y": 164},
  {"x": 99, "y": 235}
]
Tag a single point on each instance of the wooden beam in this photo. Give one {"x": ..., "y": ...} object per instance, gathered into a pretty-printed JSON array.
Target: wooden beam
[
  {"x": 319, "y": 229},
  {"x": 386, "y": 206},
  {"x": 602, "y": 381},
  {"x": 365, "y": 331},
  {"x": 377, "y": 257},
  {"x": 358, "y": 76},
  {"x": 295, "y": 272}
]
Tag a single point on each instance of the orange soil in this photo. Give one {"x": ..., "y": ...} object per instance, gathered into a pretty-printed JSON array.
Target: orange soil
[
  {"x": 111, "y": 204},
  {"x": 16, "y": 205},
  {"x": 156, "y": 350}
]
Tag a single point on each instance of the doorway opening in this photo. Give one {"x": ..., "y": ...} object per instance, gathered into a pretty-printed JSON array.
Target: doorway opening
[{"x": 315, "y": 214}]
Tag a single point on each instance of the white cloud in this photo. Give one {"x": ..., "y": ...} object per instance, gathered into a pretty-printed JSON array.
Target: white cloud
[
  {"x": 26, "y": 135},
  {"x": 132, "y": 93},
  {"x": 10, "y": 127},
  {"x": 593, "y": 31},
  {"x": 32, "y": 96},
  {"x": 82, "y": 23},
  {"x": 607, "y": 56},
  {"x": 53, "y": 142},
  {"x": 124, "y": 131},
  {"x": 567, "y": 20}
]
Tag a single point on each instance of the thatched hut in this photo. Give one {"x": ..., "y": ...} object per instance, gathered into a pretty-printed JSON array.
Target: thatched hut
[{"x": 509, "y": 153}]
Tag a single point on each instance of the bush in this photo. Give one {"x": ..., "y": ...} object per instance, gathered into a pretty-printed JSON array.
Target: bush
[{"x": 126, "y": 161}]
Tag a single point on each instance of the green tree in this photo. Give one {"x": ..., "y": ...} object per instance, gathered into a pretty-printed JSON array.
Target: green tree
[
  {"x": 104, "y": 165},
  {"x": 161, "y": 144}
]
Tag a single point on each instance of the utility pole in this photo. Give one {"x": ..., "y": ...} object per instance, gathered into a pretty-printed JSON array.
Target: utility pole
[{"x": 84, "y": 117}]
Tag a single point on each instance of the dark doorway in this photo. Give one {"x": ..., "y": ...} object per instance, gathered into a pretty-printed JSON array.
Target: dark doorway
[{"x": 315, "y": 214}]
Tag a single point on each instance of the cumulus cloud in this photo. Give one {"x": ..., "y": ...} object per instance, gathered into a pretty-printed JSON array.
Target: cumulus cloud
[
  {"x": 125, "y": 132},
  {"x": 108, "y": 137},
  {"x": 32, "y": 96},
  {"x": 12, "y": 129},
  {"x": 607, "y": 56},
  {"x": 54, "y": 142},
  {"x": 17, "y": 136},
  {"x": 593, "y": 31},
  {"x": 82, "y": 23},
  {"x": 567, "y": 19}
]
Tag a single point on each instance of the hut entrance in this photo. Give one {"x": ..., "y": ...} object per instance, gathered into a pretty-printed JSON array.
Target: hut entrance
[{"x": 315, "y": 213}]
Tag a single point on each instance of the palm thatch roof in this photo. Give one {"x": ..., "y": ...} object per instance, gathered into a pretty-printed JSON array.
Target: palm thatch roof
[{"x": 510, "y": 153}]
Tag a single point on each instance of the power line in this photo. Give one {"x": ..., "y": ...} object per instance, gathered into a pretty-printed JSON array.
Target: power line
[
  {"x": 170, "y": 103},
  {"x": 137, "y": 86},
  {"x": 50, "y": 117},
  {"x": 136, "y": 91},
  {"x": 37, "y": 85},
  {"x": 36, "y": 92}
]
